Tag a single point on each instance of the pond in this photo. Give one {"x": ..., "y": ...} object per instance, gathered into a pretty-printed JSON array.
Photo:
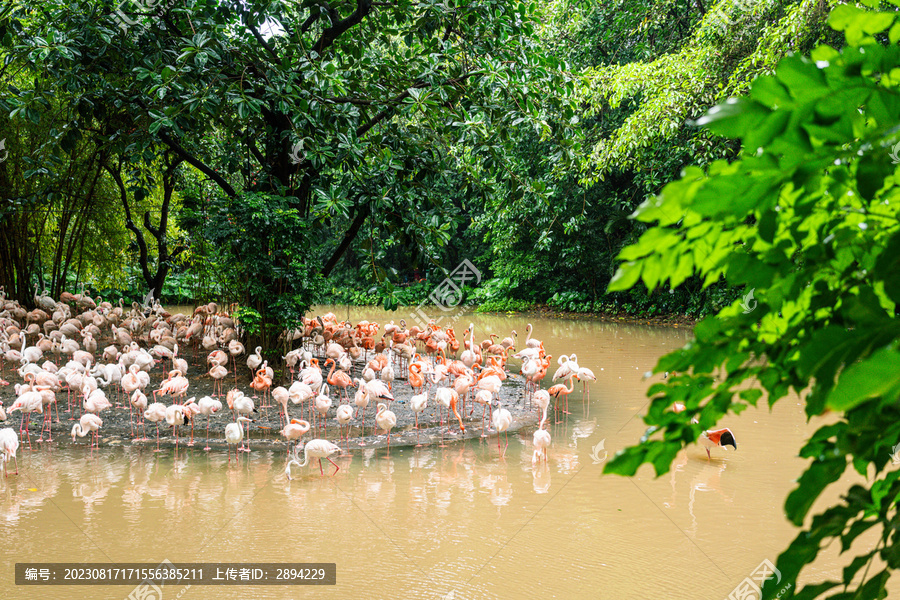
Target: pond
[{"x": 430, "y": 522}]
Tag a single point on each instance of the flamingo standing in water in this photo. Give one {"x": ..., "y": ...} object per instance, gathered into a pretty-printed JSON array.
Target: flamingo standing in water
[
  {"x": 542, "y": 399},
  {"x": 9, "y": 445},
  {"x": 720, "y": 438},
  {"x": 561, "y": 390},
  {"x": 234, "y": 433},
  {"x": 540, "y": 442},
  {"x": 502, "y": 422},
  {"x": 316, "y": 449},
  {"x": 89, "y": 423}
]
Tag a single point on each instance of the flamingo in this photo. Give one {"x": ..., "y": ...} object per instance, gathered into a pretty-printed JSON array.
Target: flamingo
[
  {"x": 502, "y": 421},
  {"x": 176, "y": 385},
  {"x": 416, "y": 379},
  {"x": 584, "y": 374},
  {"x": 294, "y": 430},
  {"x": 540, "y": 442},
  {"x": 254, "y": 360},
  {"x": 323, "y": 403},
  {"x": 218, "y": 373},
  {"x": 339, "y": 379},
  {"x": 235, "y": 348},
  {"x": 234, "y": 433},
  {"x": 261, "y": 382},
  {"x": 317, "y": 449},
  {"x": 139, "y": 402},
  {"x": 483, "y": 397},
  {"x": 385, "y": 419},
  {"x": 89, "y": 423},
  {"x": 490, "y": 383},
  {"x": 561, "y": 390},
  {"x": 175, "y": 417},
  {"x": 9, "y": 445},
  {"x": 344, "y": 415},
  {"x": 156, "y": 413},
  {"x": 281, "y": 396},
  {"x": 542, "y": 399},
  {"x": 95, "y": 401},
  {"x": 244, "y": 405},
  {"x": 27, "y": 402},
  {"x": 717, "y": 438},
  {"x": 418, "y": 403},
  {"x": 529, "y": 342},
  {"x": 207, "y": 407},
  {"x": 361, "y": 398},
  {"x": 132, "y": 385}
]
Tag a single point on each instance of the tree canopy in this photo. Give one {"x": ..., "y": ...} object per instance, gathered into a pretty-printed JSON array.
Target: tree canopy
[{"x": 810, "y": 231}]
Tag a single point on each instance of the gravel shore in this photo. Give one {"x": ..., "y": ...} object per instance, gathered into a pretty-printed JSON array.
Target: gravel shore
[{"x": 263, "y": 432}]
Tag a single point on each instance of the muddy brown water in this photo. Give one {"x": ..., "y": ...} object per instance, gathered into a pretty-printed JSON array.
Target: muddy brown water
[{"x": 454, "y": 522}]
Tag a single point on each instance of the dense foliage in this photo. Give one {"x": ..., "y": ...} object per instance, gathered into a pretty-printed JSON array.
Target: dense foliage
[
  {"x": 809, "y": 221},
  {"x": 407, "y": 136}
]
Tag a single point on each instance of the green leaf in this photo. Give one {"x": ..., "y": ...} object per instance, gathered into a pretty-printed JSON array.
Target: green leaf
[
  {"x": 876, "y": 376},
  {"x": 816, "y": 478}
]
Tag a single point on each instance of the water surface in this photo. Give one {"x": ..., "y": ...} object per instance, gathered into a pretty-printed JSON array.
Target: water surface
[{"x": 454, "y": 522}]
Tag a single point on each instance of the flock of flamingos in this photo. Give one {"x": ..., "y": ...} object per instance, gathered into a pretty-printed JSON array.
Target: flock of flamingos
[{"x": 69, "y": 331}]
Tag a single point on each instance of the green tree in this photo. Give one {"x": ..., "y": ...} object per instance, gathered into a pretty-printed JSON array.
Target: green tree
[
  {"x": 342, "y": 107},
  {"x": 807, "y": 219}
]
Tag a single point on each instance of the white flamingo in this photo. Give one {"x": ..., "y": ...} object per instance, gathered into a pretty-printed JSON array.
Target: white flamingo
[
  {"x": 9, "y": 445},
  {"x": 316, "y": 449},
  {"x": 234, "y": 433}
]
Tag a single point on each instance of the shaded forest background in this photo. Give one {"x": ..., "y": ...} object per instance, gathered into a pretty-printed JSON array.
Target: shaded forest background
[{"x": 280, "y": 154}]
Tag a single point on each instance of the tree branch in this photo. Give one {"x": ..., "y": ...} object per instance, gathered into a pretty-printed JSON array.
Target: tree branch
[
  {"x": 181, "y": 152},
  {"x": 129, "y": 224},
  {"x": 260, "y": 39},
  {"x": 361, "y": 213},
  {"x": 363, "y": 8},
  {"x": 392, "y": 104}
]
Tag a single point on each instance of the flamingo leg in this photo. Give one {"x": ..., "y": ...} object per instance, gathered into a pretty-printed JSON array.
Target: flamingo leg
[
  {"x": 336, "y": 467},
  {"x": 207, "y": 434},
  {"x": 320, "y": 467}
]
